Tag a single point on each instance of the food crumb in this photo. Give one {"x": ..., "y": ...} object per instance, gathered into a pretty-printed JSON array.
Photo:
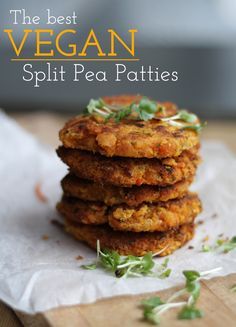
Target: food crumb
[
  {"x": 57, "y": 223},
  {"x": 220, "y": 235},
  {"x": 214, "y": 215},
  {"x": 45, "y": 237},
  {"x": 79, "y": 257},
  {"x": 191, "y": 247},
  {"x": 39, "y": 194},
  {"x": 200, "y": 222},
  {"x": 205, "y": 239}
]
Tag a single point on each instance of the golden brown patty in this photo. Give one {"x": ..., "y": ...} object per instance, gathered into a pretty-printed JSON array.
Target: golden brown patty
[
  {"x": 128, "y": 243},
  {"x": 161, "y": 216},
  {"x": 82, "y": 211},
  {"x": 130, "y": 171},
  {"x": 130, "y": 137},
  {"x": 112, "y": 195},
  {"x": 156, "y": 217}
]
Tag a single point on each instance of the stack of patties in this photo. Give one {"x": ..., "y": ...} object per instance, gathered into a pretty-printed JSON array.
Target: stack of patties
[{"x": 131, "y": 161}]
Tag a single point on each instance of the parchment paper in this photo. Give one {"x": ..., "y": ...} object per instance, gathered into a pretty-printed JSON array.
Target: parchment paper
[{"x": 37, "y": 274}]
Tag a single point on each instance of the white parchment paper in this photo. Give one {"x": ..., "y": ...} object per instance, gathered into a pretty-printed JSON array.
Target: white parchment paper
[{"x": 37, "y": 274}]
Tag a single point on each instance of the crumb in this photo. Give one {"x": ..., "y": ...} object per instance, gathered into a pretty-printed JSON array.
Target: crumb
[
  {"x": 191, "y": 247},
  {"x": 58, "y": 242},
  {"x": 200, "y": 222},
  {"x": 45, "y": 237},
  {"x": 39, "y": 194},
  {"x": 214, "y": 215},
  {"x": 79, "y": 257},
  {"x": 221, "y": 235},
  {"x": 205, "y": 239},
  {"x": 57, "y": 223}
]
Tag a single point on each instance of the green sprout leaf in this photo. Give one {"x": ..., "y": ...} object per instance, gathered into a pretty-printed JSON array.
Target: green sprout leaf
[
  {"x": 95, "y": 104},
  {"x": 195, "y": 127},
  {"x": 191, "y": 275},
  {"x": 164, "y": 264},
  {"x": 165, "y": 274},
  {"x": 151, "y": 317},
  {"x": 91, "y": 266},
  {"x": 186, "y": 116},
  {"x": 124, "y": 266},
  {"x": 150, "y": 306},
  {"x": 233, "y": 240},
  {"x": 109, "y": 259},
  {"x": 190, "y": 313},
  {"x": 206, "y": 248},
  {"x": 222, "y": 246},
  {"x": 154, "y": 307},
  {"x": 147, "y": 262},
  {"x": 145, "y": 109},
  {"x": 152, "y": 302}
]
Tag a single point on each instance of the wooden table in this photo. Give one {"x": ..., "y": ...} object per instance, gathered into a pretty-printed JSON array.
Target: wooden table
[{"x": 218, "y": 301}]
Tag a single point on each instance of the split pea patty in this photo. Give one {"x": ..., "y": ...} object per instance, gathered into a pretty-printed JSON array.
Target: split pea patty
[
  {"x": 128, "y": 243},
  {"x": 161, "y": 216},
  {"x": 130, "y": 171},
  {"x": 130, "y": 137},
  {"x": 88, "y": 190}
]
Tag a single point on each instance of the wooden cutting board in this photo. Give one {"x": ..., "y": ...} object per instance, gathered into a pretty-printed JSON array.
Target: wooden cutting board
[{"x": 217, "y": 301}]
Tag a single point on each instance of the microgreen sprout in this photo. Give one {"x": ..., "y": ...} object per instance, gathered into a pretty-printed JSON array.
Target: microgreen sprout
[
  {"x": 221, "y": 246},
  {"x": 154, "y": 307},
  {"x": 145, "y": 109},
  {"x": 183, "y": 115},
  {"x": 124, "y": 266},
  {"x": 95, "y": 106}
]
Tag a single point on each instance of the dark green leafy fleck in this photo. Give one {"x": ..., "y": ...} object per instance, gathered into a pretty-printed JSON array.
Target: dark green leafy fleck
[
  {"x": 206, "y": 248},
  {"x": 222, "y": 245},
  {"x": 165, "y": 274},
  {"x": 91, "y": 266},
  {"x": 123, "y": 113}
]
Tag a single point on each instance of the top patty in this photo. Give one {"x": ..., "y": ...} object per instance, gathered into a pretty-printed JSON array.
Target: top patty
[{"x": 129, "y": 137}]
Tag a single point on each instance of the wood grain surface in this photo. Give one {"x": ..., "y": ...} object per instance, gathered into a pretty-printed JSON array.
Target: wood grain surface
[{"x": 218, "y": 302}]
